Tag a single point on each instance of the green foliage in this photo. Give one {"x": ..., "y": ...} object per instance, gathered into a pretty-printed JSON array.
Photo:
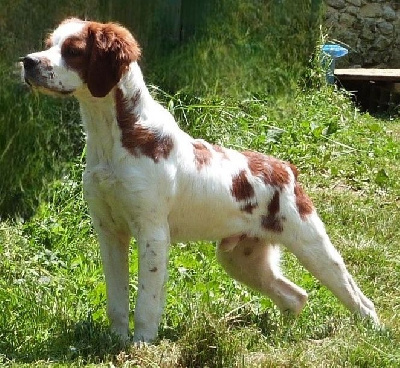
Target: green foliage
[
  {"x": 36, "y": 136},
  {"x": 52, "y": 289},
  {"x": 246, "y": 48}
]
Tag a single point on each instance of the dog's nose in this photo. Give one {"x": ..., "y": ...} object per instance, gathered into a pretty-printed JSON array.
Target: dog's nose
[{"x": 30, "y": 62}]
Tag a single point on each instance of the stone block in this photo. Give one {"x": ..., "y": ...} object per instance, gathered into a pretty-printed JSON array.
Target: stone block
[
  {"x": 348, "y": 37},
  {"x": 354, "y": 2},
  {"x": 388, "y": 13},
  {"x": 367, "y": 34},
  {"x": 331, "y": 17},
  {"x": 346, "y": 20},
  {"x": 353, "y": 10},
  {"x": 385, "y": 28},
  {"x": 372, "y": 10},
  {"x": 381, "y": 43},
  {"x": 337, "y": 4}
]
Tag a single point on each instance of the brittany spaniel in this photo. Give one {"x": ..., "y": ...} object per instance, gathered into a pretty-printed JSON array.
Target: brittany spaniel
[{"x": 148, "y": 179}]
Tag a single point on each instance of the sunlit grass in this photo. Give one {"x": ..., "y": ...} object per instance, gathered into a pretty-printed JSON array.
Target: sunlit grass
[{"x": 52, "y": 287}]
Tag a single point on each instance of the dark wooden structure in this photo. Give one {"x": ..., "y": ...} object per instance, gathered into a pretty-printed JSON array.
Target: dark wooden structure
[{"x": 375, "y": 90}]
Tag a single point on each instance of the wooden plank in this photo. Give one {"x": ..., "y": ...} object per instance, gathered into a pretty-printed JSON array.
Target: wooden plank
[{"x": 388, "y": 75}]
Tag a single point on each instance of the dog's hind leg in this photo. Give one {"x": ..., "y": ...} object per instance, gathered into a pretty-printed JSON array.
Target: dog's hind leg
[
  {"x": 311, "y": 245},
  {"x": 256, "y": 264}
]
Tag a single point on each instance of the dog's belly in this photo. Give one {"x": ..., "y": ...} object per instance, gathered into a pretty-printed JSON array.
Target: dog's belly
[{"x": 206, "y": 221}]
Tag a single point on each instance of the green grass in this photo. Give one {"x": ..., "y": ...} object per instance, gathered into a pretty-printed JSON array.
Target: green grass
[
  {"x": 37, "y": 139},
  {"x": 246, "y": 48},
  {"x": 52, "y": 292}
]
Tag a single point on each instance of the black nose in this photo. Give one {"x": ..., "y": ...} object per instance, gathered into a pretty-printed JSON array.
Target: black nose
[{"x": 30, "y": 62}]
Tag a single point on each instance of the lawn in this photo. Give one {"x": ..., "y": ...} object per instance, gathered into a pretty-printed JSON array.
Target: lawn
[{"x": 52, "y": 292}]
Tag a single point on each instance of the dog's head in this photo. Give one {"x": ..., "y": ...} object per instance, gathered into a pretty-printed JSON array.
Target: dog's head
[{"x": 81, "y": 54}]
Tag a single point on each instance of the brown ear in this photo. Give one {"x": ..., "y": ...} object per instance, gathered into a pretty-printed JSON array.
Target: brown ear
[{"x": 113, "y": 49}]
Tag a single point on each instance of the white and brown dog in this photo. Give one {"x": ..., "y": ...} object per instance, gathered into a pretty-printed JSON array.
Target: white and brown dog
[{"x": 146, "y": 178}]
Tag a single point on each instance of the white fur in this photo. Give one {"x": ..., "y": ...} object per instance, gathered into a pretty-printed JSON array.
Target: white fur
[{"x": 173, "y": 200}]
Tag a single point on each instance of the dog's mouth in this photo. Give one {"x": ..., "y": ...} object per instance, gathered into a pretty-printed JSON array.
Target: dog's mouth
[{"x": 34, "y": 84}]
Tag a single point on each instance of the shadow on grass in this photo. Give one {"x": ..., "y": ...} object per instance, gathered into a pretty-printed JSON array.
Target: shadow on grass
[{"x": 84, "y": 342}]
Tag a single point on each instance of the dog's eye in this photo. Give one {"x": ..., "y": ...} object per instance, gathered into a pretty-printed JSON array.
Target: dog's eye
[{"x": 72, "y": 51}]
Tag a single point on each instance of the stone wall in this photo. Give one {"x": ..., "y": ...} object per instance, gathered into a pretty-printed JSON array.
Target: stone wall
[{"x": 370, "y": 29}]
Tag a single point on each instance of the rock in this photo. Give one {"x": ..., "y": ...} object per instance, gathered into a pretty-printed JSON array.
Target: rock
[
  {"x": 381, "y": 43},
  {"x": 346, "y": 20},
  {"x": 354, "y": 2},
  {"x": 388, "y": 13},
  {"x": 372, "y": 10},
  {"x": 369, "y": 29},
  {"x": 385, "y": 28},
  {"x": 332, "y": 17},
  {"x": 353, "y": 10},
  {"x": 367, "y": 35},
  {"x": 358, "y": 25},
  {"x": 337, "y": 4},
  {"x": 348, "y": 37},
  {"x": 395, "y": 60}
]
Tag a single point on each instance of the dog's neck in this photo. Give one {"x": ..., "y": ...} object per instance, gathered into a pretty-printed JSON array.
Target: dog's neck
[{"x": 102, "y": 117}]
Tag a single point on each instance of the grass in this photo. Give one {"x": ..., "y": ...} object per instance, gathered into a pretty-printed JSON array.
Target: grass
[
  {"x": 52, "y": 288},
  {"x": 242, "y": 87}
]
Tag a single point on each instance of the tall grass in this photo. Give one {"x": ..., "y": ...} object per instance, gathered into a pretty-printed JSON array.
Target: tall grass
[
  {"x": 37, "y": 138},
  {"x": 38, "y": 135},
  {"x": 245, "y": 48}
]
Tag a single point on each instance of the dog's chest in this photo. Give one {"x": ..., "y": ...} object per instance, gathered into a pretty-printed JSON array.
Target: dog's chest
[{"x": 106, "y": 189}]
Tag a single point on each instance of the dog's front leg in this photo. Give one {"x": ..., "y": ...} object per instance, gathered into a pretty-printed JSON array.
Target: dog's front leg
[
  {"x": 114, "y": 249},
  {"x": 153, "y": 247}
]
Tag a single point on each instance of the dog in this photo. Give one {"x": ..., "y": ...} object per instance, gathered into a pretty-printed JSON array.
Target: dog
[{"x": 148, "y": 179}]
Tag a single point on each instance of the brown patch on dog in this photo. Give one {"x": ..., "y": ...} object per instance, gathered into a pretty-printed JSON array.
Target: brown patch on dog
[
  {"x": 75, "y": 51},
  {"x": 100, "y": 54},
  {"x": 271, "y": 170},
  {"x": 241, "y": 188},
  {"x": 272, "y": 221},
  {"x": 202, "y": 155},
  {"x": 149, "y": 143},
  {"x": 249, "y": 207},
  {"x": 114, "y": 48},
  {"x": 136, "y": 138},
  {"x": 303, "y": 202},
  {"x": 221, "y": 150},
  {"x": 247, "y": 251}
]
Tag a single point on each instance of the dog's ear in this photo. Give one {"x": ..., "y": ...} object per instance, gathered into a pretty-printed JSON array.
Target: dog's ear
[{"x": 113, "y": 48}]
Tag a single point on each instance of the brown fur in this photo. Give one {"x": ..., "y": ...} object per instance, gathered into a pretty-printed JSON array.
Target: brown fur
[
  {"x": 271, "y": 221},
  {"x": 202, "y": 154},
  {"x": 136, "y": 138},
  {"x": 271, "y": 170},
  {"x": 242, "y": 190}
]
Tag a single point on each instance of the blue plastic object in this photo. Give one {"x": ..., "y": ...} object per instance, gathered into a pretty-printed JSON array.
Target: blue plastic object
[{"x": 335, "y": 52}]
